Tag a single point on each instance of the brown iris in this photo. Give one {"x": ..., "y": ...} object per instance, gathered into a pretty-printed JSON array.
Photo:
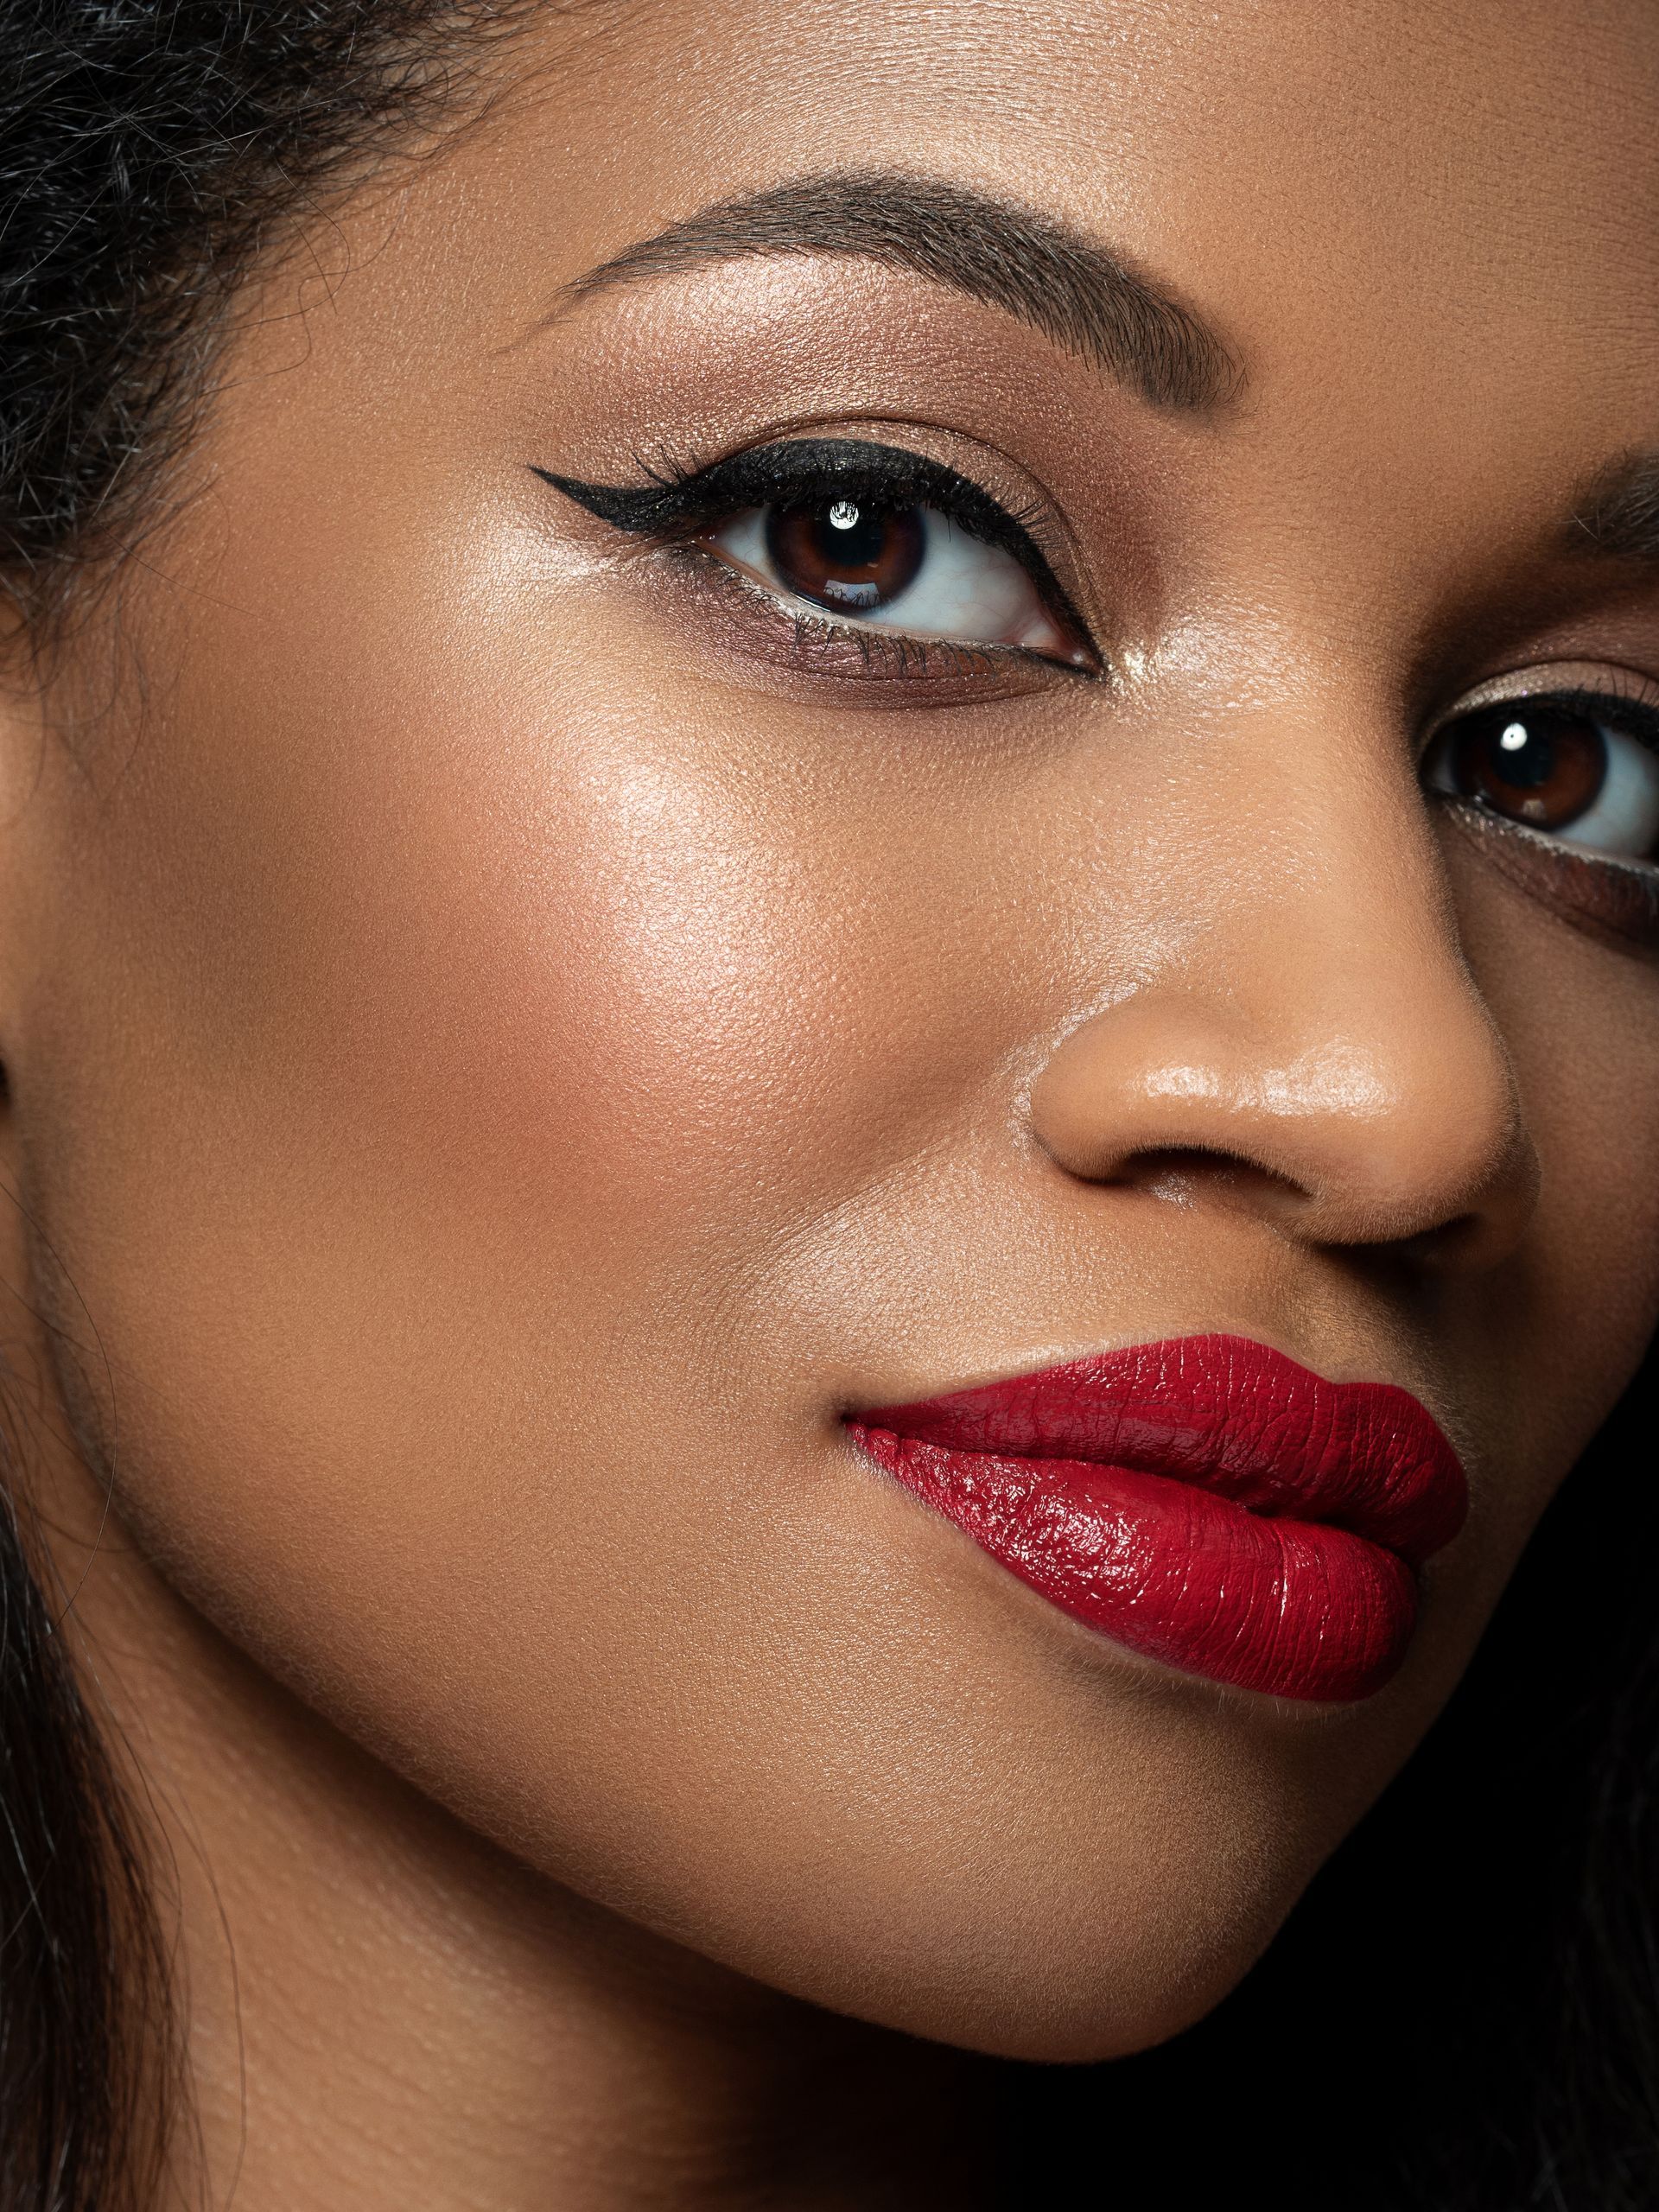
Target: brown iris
[
  {"x": 844, "y": 553},
  {"x": 1541, "y": 765}
]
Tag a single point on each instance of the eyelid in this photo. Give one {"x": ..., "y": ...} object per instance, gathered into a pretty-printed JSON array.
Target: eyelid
[
  {"x": 672, "y": 497},
  {"x": 1588, "y": 683},
  {"x": 853, "y": 650},
  {"x": 676, "y": 504}
]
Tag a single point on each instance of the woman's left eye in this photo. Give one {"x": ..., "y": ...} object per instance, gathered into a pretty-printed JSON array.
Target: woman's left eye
[
  {"x": 1564, "y": 764},
  {"x": 908, "y": 568}
]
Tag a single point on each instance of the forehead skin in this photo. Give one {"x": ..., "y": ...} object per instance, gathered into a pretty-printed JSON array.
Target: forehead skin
[
  {"x": 1408, "y": 194},
  {"x": 1428, "y": 231},
  {"x": 504, "y": 1070}
]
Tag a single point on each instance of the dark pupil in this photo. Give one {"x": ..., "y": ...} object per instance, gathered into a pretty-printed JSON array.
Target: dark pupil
[
  {"x": 846, "y": 553},
  {"x": 1537, "y": 764}
]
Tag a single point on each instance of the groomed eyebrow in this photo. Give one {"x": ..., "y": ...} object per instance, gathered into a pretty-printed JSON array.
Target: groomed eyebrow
[
  {"x": 1008, "y": 257},
  {"x": 1617, "y": 514}
]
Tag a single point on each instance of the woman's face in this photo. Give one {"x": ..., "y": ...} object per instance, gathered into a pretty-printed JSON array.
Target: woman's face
[{"x": 525, "y": 1008}]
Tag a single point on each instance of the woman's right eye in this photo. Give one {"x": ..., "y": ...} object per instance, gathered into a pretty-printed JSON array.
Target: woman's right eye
[
  {"x": 871, "y": 540},
  {"x": 1568, "y": 764},
  {"x": 909, "y": 568}
]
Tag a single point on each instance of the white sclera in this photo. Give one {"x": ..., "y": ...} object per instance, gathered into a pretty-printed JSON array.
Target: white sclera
[
  {"x": 1625, "y": 816},
  {"x": 965, "y": 591}
]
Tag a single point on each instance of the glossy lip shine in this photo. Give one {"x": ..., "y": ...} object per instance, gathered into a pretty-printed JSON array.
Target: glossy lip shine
[{"x": 1205, "y": 1500}]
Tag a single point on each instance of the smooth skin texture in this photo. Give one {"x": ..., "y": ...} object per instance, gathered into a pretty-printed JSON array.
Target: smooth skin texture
[{"x": 505, "y": 1047}]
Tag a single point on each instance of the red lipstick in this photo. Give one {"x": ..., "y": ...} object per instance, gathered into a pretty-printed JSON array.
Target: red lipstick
[{"x": 1205, "y": 1501}]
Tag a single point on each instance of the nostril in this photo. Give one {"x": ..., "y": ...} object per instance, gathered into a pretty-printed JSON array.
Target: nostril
[
  {"x": 1405, "y": 1136},
  {"x": 1338, "y": 1214},
  {"x": 1496, "y": 1194},
  {"x": 1189, "y": 1174},
  {"x": 1452, "y": 1245}
]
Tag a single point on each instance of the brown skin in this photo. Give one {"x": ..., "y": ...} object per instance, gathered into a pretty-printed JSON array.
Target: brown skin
[{"x": 503, "y": 1054}]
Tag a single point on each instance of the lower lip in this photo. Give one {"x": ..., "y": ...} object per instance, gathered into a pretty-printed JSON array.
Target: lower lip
[{"x": 1296, "y": 1608}]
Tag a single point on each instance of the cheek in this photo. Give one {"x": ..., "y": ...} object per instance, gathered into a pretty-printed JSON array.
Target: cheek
[
  {"x": 497, "y": 971},
  {"x": 414, "y": 1101},
  {"x": 1550, "y": 1342},
  {"x": 411, "y": 1021},
  {"x": 433, "y": 1064},
  {"x": 409, "y": 1104}
]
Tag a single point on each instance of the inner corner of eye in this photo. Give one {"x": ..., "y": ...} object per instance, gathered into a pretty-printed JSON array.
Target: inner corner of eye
[{"x": 743, "y": 534}]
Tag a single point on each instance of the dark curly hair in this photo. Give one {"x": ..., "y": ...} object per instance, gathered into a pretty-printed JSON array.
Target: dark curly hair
[
  {"x": 1462, "y": 2016},
  {"x": 150, "y": 150}
]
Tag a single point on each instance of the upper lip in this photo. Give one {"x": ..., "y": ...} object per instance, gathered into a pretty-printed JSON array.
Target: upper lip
[{"x": 1229, "y": 1415}]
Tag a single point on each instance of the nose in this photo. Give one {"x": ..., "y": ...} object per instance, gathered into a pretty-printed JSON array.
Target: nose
[{"x": 1324, "y": 1056}]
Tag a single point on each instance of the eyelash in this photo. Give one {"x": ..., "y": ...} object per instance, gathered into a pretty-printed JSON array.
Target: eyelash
[
  {"x": 678, "y": 505},
  {"x": 1633, "y": 713},
  {"x": 677, "y": 508},
  {"x": 1630, "y": 717}
]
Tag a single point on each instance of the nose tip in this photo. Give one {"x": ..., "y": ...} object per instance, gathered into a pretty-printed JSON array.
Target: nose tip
[{"x": 1396, "y": 1125}]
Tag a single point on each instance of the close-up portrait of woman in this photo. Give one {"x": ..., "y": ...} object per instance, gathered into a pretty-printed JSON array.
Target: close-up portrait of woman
[{"x": 829, "y": 1121}]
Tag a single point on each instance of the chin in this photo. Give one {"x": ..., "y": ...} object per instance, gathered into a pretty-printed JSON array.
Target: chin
[
  {"x": 1007, "y": 1917},
  {"x": 1053, "y": 1985}
]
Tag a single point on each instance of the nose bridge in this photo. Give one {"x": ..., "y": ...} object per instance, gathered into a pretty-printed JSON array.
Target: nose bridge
[{"x": 1320, "y": 1026}]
